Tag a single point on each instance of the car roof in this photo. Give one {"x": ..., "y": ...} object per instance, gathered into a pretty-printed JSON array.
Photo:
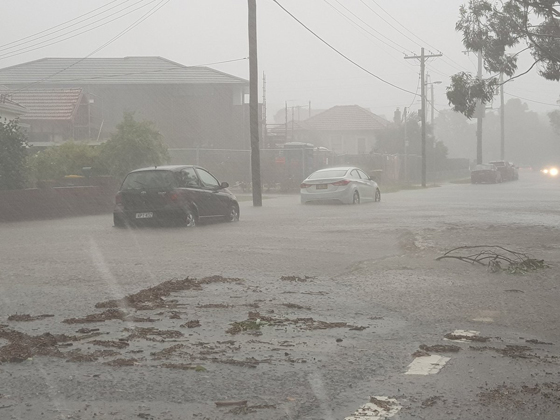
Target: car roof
[
  {"x": 337, "y": 168},
  {"x": 173, "y": 168}
]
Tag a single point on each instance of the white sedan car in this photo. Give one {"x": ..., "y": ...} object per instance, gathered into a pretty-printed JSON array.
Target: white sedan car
[{"x": 349, "y": 185}]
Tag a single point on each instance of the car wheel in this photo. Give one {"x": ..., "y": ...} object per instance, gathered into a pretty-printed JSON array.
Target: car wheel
[
  {"x": 356, "y": 198},
  {"x": 189, "y": 218},
  {"x": 377, "y": 195},
  {"x": 233, "y": 213}
]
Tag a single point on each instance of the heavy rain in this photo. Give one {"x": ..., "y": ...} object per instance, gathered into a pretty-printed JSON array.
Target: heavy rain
[{"x": 275, "y": 209}]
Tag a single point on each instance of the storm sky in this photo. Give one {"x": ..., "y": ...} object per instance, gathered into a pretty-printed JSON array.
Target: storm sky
[{"x": 376, "y": 34}]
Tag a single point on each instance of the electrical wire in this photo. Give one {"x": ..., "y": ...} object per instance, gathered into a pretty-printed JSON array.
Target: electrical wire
[
  {"x": 34, "y": 37},
  {"x": 416, "y": 93},
  {"x": 127, "y": 29},
  {"x": 530, "y": 100},
  {"x": 340, "y": 53},
  {"x": 460, "y": 67},
  {"x": 39, "y": 46},
  {"x": 61, "y": 24},
  {"x": 369, "y": 26}
]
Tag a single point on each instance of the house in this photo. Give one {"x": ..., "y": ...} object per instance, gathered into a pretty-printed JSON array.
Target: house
[
  {"x": 53, "y": 116},
  {"x": 190, "y": 106},
  {"x": 9, "y": 109},
  {"x": 344, "y": 129}
]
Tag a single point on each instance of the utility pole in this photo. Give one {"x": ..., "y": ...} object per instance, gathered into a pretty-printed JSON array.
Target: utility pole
[
  {"x": 502, "y": 120},
  {"x": 479, "y": 114},
  {"x": 286, "y": 120},
  {"x": 309, "y": 109},
  {"x": 405, "y": 146},
  {"x": 422, "y": 57},
  {"x": 254, "y": 105},
  {"x": 264, "y": 129}
]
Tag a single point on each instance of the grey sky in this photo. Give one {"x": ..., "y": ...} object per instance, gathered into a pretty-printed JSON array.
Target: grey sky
[{"x": 299, "y": 67}]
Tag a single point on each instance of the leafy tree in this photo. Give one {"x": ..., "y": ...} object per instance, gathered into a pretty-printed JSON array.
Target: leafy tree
[
  {"x": 66, "y": 159},
  {"x": 13, "y": 154},
  {"x": 135, "y": 144},
  {"x": 494, "y": 28}
]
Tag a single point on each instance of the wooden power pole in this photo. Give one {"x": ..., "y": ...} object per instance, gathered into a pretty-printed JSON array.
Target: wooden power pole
[
  {"x": 423, "y": 57},
  {"x": 254, "y": 106}
]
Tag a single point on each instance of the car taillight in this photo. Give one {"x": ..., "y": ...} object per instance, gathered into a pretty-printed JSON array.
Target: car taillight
[
  {"x": 341, "y": 183},
  {"x": 173, "y": 196},
  {"x": 118, "y": 199},
  {"x": 304, "y": 185}
]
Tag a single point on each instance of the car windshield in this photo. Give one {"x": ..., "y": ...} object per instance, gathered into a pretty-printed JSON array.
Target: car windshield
[
  {"x": 331, "y": 173},
  {"x": 157, "y": 179},
  {"x": 483, "y": 167}
]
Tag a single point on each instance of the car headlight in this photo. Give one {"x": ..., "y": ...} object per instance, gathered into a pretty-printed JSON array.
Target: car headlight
[
  {"x": 544, "y": 171},
  {"x": 553, "y": 171}
]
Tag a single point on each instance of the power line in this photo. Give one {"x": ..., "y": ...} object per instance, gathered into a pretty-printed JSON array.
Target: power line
[
  {"x": 39, "y": 46},
  {"x": 461, "y": 68},
  {"x": 127, "y": 29},
  {"x": 340, "y": 53},
  {"x": 61, "y": 24},
  {"x": 530, "y": 100},
  {"x": 369, "y": 26}
]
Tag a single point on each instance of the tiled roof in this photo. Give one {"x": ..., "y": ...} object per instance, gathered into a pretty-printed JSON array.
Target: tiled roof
[
  {"x": 345, "y": 118},
  {"x": 127, "y": 70},
  {"x": 48, "y": 104}
]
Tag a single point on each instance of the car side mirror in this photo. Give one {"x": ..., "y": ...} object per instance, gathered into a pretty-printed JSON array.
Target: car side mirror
[{"x": 224, "y": 185}]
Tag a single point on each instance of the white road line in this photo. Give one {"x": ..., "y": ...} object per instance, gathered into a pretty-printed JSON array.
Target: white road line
[
  {"x": 466, "y": 333},
  {"x": 428, "y": 365},
  {"x": 377, "y": 409}
]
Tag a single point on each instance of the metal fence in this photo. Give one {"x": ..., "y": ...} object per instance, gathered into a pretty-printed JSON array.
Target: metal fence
[{"x": 285, "y": 168}]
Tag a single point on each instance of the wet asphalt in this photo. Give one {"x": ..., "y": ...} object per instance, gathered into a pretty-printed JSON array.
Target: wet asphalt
[{"x": 371, "y": 265}]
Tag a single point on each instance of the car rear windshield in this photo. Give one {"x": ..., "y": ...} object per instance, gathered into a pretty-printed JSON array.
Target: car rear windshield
[
  {"x": 334, "y": 173},
  {"x": 483, "y": 168},
  {"x": 498, "y": 163},
  {"x": 149, "y": 180}
]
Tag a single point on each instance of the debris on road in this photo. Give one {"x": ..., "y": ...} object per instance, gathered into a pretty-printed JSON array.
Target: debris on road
[
  {"x": 153, "y": 297},
  {"x": 465, "y": 336},
  {"x": 24, "y": 346},
  {"x": 123, "y": 362},
  {"x": 110, "y": 343},
  {"x": 297, "y": 278},
  {"x": 191, "y": 324},
  {"x": 231, "y": 403},
  {"x": 510, "y": 350},
  {"x": 27, "y": 317},
  {"x": 109, "y": 314},
  {"x": 430, "y": 402},
  {"x": 378, "y": 408},
  {"x": 149, "y": 333},
  {"x": 440, "y": 348},
  {"x": 496, "y": 258}
]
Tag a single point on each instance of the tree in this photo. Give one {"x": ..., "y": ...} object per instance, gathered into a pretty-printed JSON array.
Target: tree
[
  {"x": 135, "y": 144},
  {"x": 13, "y": 154},
  {"x": 493, "y": 28},
  {"x": 67, "y": 159}
]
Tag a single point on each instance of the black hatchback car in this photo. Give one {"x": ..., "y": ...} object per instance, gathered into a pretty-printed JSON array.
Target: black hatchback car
[{"x": 183, "y": 194}]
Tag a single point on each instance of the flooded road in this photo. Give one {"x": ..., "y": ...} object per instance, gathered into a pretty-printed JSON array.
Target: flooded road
[{"x": 304, "y": 312}]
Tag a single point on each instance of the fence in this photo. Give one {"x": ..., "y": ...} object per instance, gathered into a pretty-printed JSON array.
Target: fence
[{"x": 286, "y": 168}]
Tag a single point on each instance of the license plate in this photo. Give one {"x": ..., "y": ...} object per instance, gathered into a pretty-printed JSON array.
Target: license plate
[
  {"x": 322, "y": 187},
  {"x": 148, "y": 215}
]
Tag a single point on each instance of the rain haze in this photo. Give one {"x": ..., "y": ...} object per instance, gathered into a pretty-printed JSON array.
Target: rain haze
[{"x": 223, "y": 209}]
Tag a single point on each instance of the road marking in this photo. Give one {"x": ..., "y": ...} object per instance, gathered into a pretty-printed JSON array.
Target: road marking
[
  {"x": 427, "y": 365},
  {"x": 378, "y": 408},
  {"x": 466, "y": 333}
]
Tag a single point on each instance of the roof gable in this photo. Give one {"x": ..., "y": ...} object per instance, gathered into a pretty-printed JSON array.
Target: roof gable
[
  {"x": 345, "y": 118},
  {"x": 127, "y": 70},
  {"x": 48, "y": 104}
]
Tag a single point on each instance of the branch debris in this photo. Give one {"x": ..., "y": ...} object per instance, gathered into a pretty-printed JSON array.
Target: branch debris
[{"x": 496, "y": 258}]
